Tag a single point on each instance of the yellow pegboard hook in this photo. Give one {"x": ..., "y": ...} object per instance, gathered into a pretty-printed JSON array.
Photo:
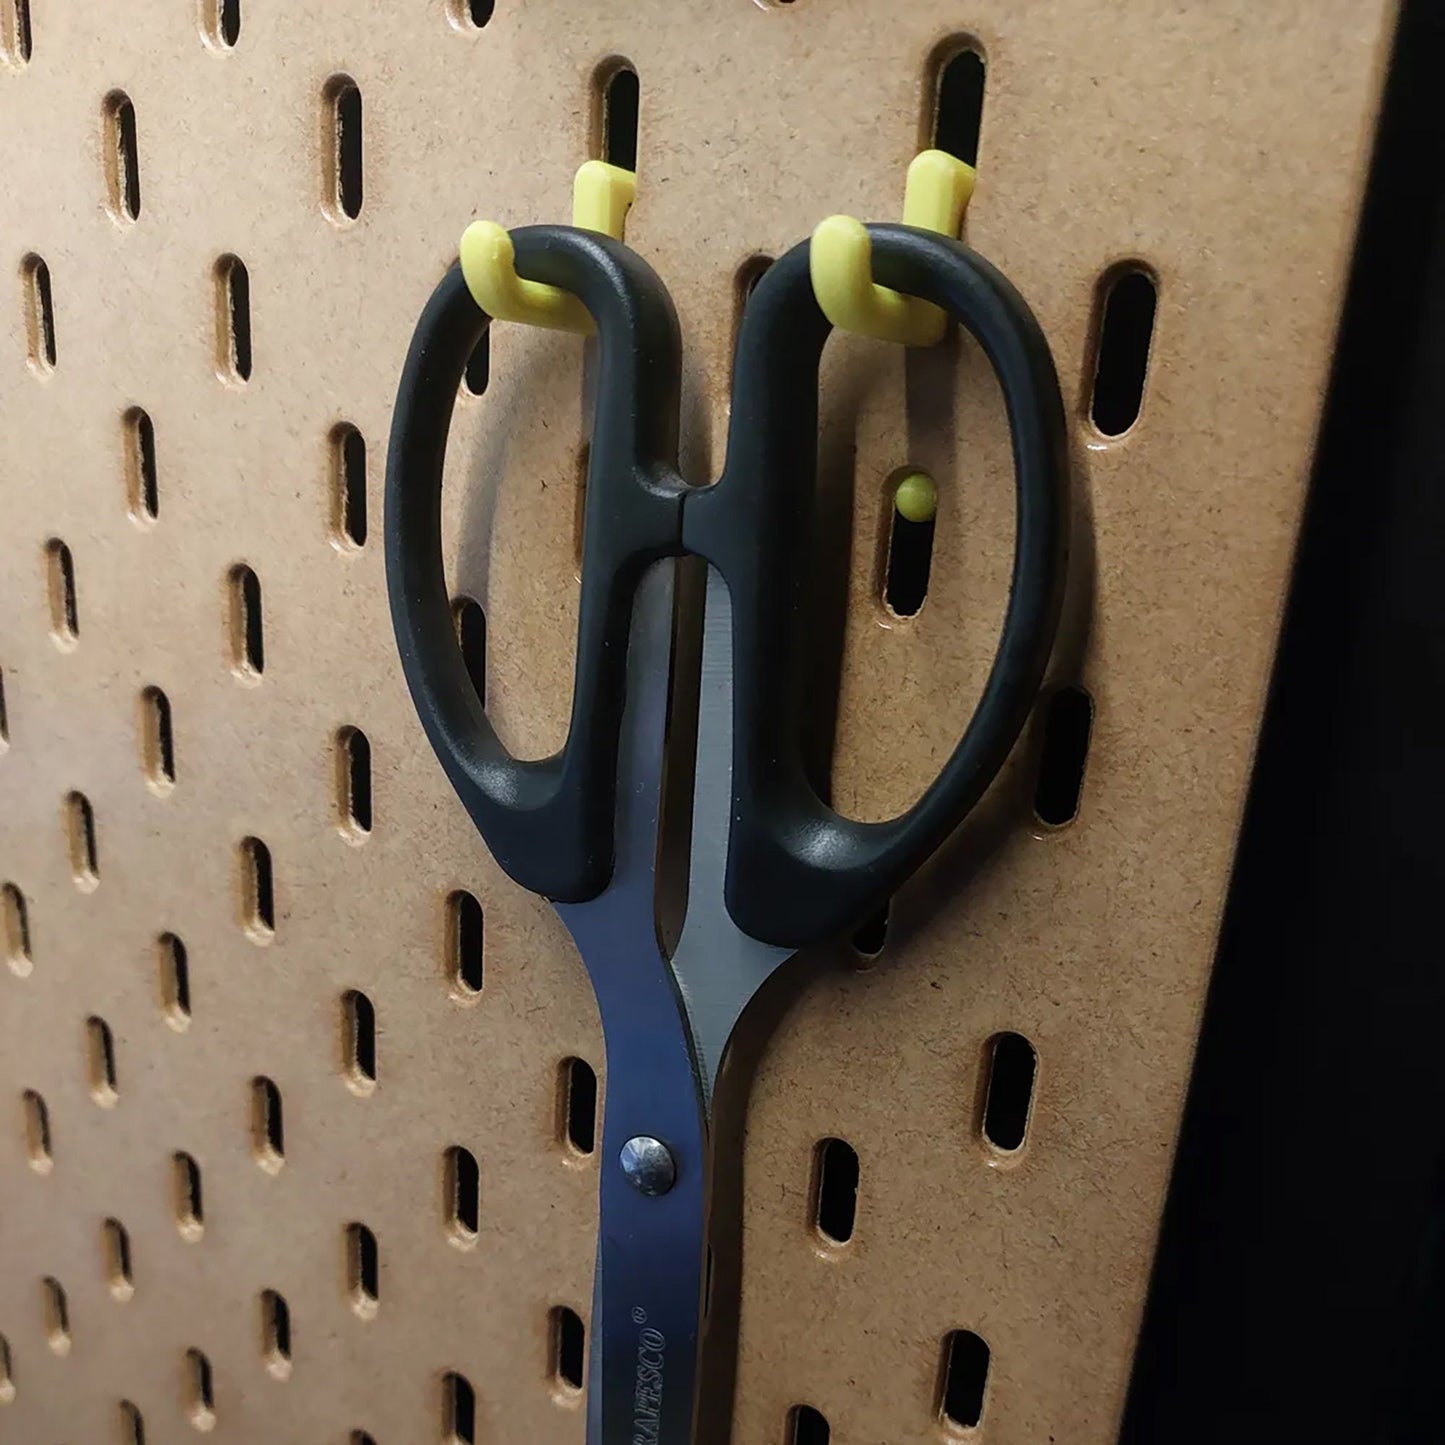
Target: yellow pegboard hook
[
  {"x": 601, "y": 196},
  {"x": 840, "y": 258}
]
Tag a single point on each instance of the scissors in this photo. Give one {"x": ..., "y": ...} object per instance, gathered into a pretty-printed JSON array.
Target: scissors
[{"x": 773, "y": 869}]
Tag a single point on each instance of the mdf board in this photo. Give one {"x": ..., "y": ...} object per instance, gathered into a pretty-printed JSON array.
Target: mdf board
[{"x": 264, "y": 982}]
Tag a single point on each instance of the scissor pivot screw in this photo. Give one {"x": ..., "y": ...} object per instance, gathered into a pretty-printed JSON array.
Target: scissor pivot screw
[{"x": 648, "y": 1165}]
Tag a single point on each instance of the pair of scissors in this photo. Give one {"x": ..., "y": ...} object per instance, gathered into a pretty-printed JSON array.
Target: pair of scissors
[{"x": 773, "y": 869}]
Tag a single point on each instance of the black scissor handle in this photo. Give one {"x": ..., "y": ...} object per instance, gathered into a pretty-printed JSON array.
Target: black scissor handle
[
  {"x": 797, "y": 871},
  {"x": 548, "y": 823}
]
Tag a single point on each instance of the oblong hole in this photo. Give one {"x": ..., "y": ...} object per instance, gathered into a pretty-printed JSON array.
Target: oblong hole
[
  {"x": 358, "y": 1041},
  {"x": 910, "y": 544},
  {"x": 186, "y": 1196},
  {"x": 248, "y": 638},
  {"x": 15, "y": 43},
  {"x": 115, "y": 1244},
  {"x": 461, "y": 1185},
  {"x": 100, "y": 1053},
  {"x": 1127, "y": 299},
  {"x": 568, "y": 1350},
  {"x": 7, "y": 1376},
  {"x": 362, "y": 1270},
  {"x": 871, "y": 936},
  {"x": 200, "y": 1392},
  {"x": 158, "y": 743},
  {"x": 470, "y": 14},
  {"x": 64, "y": 609},
  {"x": 175, "y": 973},
  {"x": 745, "y": 282},
  {"x": 268, "y": 1135},
  {"x": 39, "y": 314},
  {"x": 958, "y": 102},
  {"x": 478, "y": 370},
  {"x": 37, "y": 1132},
  {"x": 142, "y": 490},
  {"x": 577, "y": 1113},
  {"x": 1063, "y": 755},
  {"x": 579, "y": 515},
  {"x": 222, "y": 25},
  {"x": 55, "y": 1313},
  {"x": 342, "y": 105},
  {"x": 132, "y": 1425},
  {"x": 353, "y": 781},
  {"x": 233, "y": 319},
  {"x": 80, "y": 835},
  {"x": 1009, "y": 1100},
  {"x": 806, "y": 1426},
  {"x": 465, "y": 931},
  {"x": 620, "y": 96},
  {"x": 471, "y": 625},
  {"x": 459, "y": 1409},
  {"x": 276, "y": 1334},
  {"x": 15, "y": 930},
  {"x": 4, "y": 715},
  {"x": 835, "y": 1190},
  {"x": 348, "y": 486},
  {"x": 258, "y": 898},
  {"x": 360, "y": 1437},
  {"x": 122, "y": 160},
  {"x": 964, "y": 1378}
]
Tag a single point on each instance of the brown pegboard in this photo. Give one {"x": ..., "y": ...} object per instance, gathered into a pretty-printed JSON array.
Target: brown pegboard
[{"x": 1221, "y": 145}]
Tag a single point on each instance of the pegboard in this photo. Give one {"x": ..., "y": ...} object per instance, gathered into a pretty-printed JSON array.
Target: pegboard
[{"x": 289, "y": 1153}]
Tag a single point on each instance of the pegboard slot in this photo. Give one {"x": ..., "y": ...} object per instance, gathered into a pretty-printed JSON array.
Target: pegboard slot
[
  {"x": 348, "y": 486},
  {"x": 807, "y": 1426},
  {"x": 568, "y": 1351},
  {"x": 471, "y": 625},
  {"x": 175, "y": 975},
  {"x": 459, "y": 1410},
  {"x": 4, "y": 716},
  {"x": 233, "y": 320},
  {"x": 578, "y": 1105},
  {"x": 358, "y": 1041},
  {"x": 133, "y": 1430},
  {"x": 37, "y": 1133},
  {"x": 200, "y": 1392},
  {"x": 1010, "y": 1098},
  {"x": 341, "y": 100},
  {"x": 55, "y": 1315},
  {"x": 115, "y": 1243},
  {"x": 122, "y": 159},
  {"x": 158, "y": 743},
  {"x": 80, "y": 838},
  {"x": 619, "y": 98},
  {"x": 964, "y": 1379},
  {"x": 268, "y": 1135},
  {"x": 248, "y": 638},
  {"x": 465, "y": 938},
  {"x": 186, "y": 1197},
  {"x": 276, "y": 1334},
  {"x": 470, "y": 14},
  {"x": 7, "y": 1376},
  {"x": 142, "y": 488},
  {"x": 15, "y": 930},
  {"x": 258, "y": 896},
  {"x": 1127, "y": 298},
  {"x": 15, "y": 37},
  {"x": 871, "y": 936},
  {"x": 100, "y": 1048},
  {"x": 478, "y": 371},
  {"x": 1068, "y": 725},
  {"x": 958, "y": 100},
  {"x": 835, "y": 1190},
  {"x": 461, "y": 1185},
  {"x": 353, "y": 783},
  {"x": 910, "y": 547},
  {"x": 222, "y": 22},
  {"x": 39, "y": 313},
  {"x": 64, "y": 607},
  {"x": 363, "y": 1266}
]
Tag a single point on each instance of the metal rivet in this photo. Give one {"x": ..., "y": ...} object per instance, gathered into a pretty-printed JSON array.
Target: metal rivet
[{"x": 648, "y": 1165}]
